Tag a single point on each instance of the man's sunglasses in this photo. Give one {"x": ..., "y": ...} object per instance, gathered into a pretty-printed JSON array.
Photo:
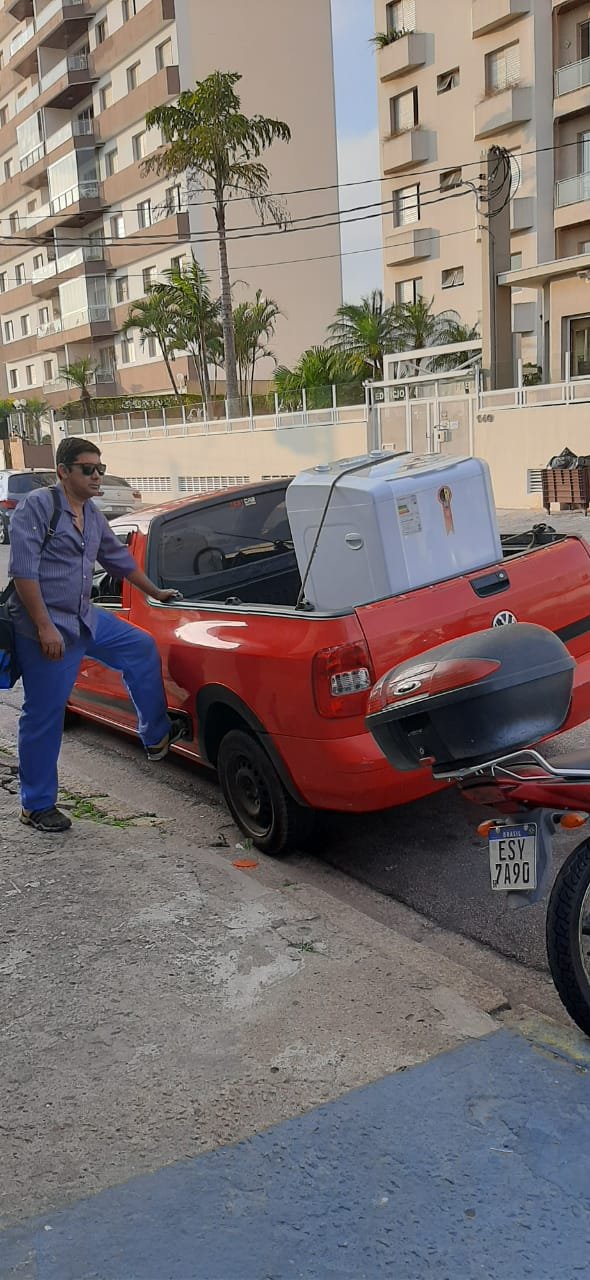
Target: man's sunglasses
[{"x": 90, "y": 468}]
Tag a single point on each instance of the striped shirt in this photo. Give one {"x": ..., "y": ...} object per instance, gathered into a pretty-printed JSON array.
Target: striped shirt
[{"x": 65, "y": 568}]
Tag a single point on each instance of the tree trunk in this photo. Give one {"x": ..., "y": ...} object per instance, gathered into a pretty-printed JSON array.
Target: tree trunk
[
  {"x": 227, "y": 319},
  {"x": 169, "y": 370}
]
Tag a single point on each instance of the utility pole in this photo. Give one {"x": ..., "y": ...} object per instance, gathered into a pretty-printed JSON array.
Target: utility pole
[{"x": 497, "y": 354}]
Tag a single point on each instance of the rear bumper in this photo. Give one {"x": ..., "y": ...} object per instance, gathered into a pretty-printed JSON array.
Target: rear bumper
[{"x": 350, "y": 775}]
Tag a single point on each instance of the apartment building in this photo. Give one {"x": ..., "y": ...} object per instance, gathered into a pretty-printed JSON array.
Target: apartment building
[
  {"x": 457, "y": 78},
  {"x": 84, "y": 233}
]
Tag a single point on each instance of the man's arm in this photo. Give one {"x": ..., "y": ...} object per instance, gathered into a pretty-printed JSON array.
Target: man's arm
[
  {"x": 28, "y": 530},
  {"x": 116, "y": 559}
]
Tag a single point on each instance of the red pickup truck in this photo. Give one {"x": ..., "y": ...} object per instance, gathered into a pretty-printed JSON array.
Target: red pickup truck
[{"x": 275, "y": 695}]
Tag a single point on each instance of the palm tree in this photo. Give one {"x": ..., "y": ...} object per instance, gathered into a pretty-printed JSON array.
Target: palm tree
[
  {"x": 80, "y": 374},
  {"x": 254, "y": 326},
  {"x": 207, "y": 137},
  {"x": 455, "y": 330},
  {"x": 316, "y": 371},
  {"x": 154, "y": 318},
  {"x": 34, "y": 412},
  {"x": 196, "y": 318},
  {"x": 363, "y": 333},
  {"x": 418, "y": 326}
]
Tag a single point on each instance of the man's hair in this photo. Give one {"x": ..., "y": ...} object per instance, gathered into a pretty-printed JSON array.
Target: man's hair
[{"x": 71, "y": 448}]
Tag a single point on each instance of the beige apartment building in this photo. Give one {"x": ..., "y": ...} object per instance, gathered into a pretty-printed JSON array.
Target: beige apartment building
[
  {"x": 459, "y": 77},
  {"x": 84, "y": 233}
]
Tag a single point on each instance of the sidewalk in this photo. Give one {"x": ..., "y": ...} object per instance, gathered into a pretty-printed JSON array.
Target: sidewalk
[{"x": 161, "y": 1004}]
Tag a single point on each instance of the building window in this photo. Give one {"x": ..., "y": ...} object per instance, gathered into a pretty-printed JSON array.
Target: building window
[
  {"x": 177, "y": 264},
  {"x": 138, "y": 143},
  {"x": 37, "y": 262},
  {"x": 133, "y": 76},
  {"x": 152, "y": 348},
  {"x": 3, "y": 117},
  {"x": 406, "y": 206},
  {"x": 515, "y": 261},
  {"x": 580, "y": 346},
  {"x": 111, "y": 162},
  {"x": 14, "y": 222},
  {"x": 105, "y": 96},
  {"x": 173, "y": 200},
  {"x": 3, "y": 282},
  {"x": 48, "y": 370},
  {"x": 7, "y": 169},
  {"x": 144, "y": 214},
  {"x": 14, "y": 379},
  {"x": 43, "y": 316},
  {"x": 122, "y": 289},
  {"x": 101, "y": 31},
  {"x": 452, "y": 277},
  {"x": 118, "y": 227},
  {"x": 407, "y": 291},
  {"x": 25, "y": 326},
  {"x": 404, "y": 111},
  {"x": 503, "y": 68},
  {"x": 164, "y": 55},
  {"x": 149, "y": 278},
  {"x": 127, "y": 351},
  {"x": 400, "y": 16},
  {"x": 584, "y": 246},
  {"x": 448, "y": 80},
  {"x": 19, "y": 273},
  {"x": 31, "y": 375},
  {"x": 8, "y": 331},
  {"x": 584, "y": 40},
  {"x": 450, "y": 178},
  {"x": 128, "y": 9}
]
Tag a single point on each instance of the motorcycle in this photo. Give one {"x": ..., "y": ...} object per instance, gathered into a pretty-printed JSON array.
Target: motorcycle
[{"x": 473, "y": 711}]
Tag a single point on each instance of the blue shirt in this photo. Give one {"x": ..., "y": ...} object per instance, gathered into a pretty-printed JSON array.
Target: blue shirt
[{"x": 65, "y": 568}]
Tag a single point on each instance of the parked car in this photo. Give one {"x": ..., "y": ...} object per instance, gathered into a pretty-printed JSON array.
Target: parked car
[
  {"x": 13, "y": 486},
  {"x": 117, "y": 497},
  {"x": 275, "y": 696}
]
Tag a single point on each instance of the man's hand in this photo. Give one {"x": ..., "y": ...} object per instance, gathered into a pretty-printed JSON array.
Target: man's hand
[
  {"x": 166, "y": 596},
  {"x": 51, "y": 641}
]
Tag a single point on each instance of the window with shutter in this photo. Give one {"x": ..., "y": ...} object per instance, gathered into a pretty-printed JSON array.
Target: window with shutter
[
  {"x": 503, "y": 68},
  {"x": 448, "y": 80},
  {"x": 452, "y": 277},
  {"x": 401, "y": 16},
  {"x": 450, "y": 178},
  {"x": 406, "y": 206},
  {"x": 404, "y": 111}
]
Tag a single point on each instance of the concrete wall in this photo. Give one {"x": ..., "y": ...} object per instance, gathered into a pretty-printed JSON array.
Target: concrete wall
[{"x": 518, "y": 439}]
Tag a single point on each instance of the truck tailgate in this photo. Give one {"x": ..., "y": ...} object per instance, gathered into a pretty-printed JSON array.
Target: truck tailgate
[{"x": 549, "y": 586}]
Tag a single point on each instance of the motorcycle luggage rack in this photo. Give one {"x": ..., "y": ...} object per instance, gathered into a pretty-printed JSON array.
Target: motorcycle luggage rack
[{"x": 499, "y": 765}]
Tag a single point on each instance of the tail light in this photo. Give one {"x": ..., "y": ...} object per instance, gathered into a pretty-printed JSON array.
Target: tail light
[
  {"x": 8, "y": 504},
  {"x": 426, "y": 680},
  {"x": 342, "y": 678},
  {"x": 136, "y": 494}
]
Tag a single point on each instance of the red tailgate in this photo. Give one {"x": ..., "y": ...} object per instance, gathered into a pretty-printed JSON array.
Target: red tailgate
[{"x": 549, "y": 586}]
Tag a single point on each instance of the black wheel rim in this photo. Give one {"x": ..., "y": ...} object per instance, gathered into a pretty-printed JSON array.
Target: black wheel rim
[{"x": 251, "y": 797}]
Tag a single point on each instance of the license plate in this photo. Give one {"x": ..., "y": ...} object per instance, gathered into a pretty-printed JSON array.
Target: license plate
[{"x": 513, "y": 857}]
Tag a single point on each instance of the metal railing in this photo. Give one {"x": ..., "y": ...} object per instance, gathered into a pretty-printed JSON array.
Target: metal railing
[
  {"x": 98, "y": 313},
  {"x": 75, "y": 62},
  {"x": 50, "y": 10},
  {"x": 44, "y": 273},
  {"x": 572, "y": 190},
  {"x": 32, "y": 157},
  {"x": 575, "y": 76},
  {"x": 22, "y": 38},
  {"x": 82, "y": 191},
  {"x": 27, "y": 98},
  {"x": 46, "y": 330}
]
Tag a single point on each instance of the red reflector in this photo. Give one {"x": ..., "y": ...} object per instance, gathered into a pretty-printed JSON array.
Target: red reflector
[
  {"x": 342, "y": 678},
  {"x": 414, "y": 684}
]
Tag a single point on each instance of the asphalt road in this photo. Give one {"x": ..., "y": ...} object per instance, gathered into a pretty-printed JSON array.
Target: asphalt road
[{"x": 427, "y": 855}]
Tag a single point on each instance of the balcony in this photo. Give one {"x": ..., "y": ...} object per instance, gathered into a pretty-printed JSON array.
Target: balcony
[
  {"x": 23, "y": 52},
  {"x": 572, "y": 89},
  {"x": 403, "y": 55},
  {"x": 497, "y": 112},
  {"x": 68, "y": 83},
  {"x": 572, "y": 200},
  {"x": 491, "y": 15},
  {"x": 33, "y": 166},
  {"x": 408, "y": 244},
  {"x": 92, "y": 260},
  {"x": 49, "y": 330},
  {"x": 62, "y": 22},
  {"x": 404, "y": 150},
  {"x": 19, "y": 9}
]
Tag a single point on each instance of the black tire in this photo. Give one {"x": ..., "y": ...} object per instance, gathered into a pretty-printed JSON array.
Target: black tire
[
  {"x": 256, "y": 798},
  {"x": 568, "y": 935},
  {"x": 72, "y": 720},
  {"x": 4, "y": 534}
]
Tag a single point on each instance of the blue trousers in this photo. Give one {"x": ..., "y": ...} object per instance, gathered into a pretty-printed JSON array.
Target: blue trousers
[{"x": 48, "y": 685}]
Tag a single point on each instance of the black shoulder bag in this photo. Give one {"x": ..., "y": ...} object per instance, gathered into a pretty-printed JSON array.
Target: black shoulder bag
[{"x": 9, "y": 668}]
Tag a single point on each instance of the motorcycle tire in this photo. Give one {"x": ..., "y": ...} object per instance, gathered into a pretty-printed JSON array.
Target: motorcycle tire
[{"x": 568, "y": 935}]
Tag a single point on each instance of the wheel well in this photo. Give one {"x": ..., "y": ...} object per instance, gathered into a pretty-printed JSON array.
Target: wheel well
[{"x": 221, "y": 719}]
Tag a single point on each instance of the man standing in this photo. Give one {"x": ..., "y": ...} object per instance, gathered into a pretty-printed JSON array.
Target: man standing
[{"x": 56, "y": 626}]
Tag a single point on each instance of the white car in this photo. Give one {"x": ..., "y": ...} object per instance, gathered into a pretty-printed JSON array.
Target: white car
[{"x": 117, "y": 498}]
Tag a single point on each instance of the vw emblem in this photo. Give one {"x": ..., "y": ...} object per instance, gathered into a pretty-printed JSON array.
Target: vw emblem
[
  {"x": 407, "y": 686},
  {"x": 504, "y": 619}
]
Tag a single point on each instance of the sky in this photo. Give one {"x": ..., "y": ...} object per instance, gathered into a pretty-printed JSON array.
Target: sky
[{"x": 358, "y": 140}]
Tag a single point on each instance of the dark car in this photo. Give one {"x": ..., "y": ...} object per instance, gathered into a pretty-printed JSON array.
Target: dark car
[{"x": 13, "y": 486}]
